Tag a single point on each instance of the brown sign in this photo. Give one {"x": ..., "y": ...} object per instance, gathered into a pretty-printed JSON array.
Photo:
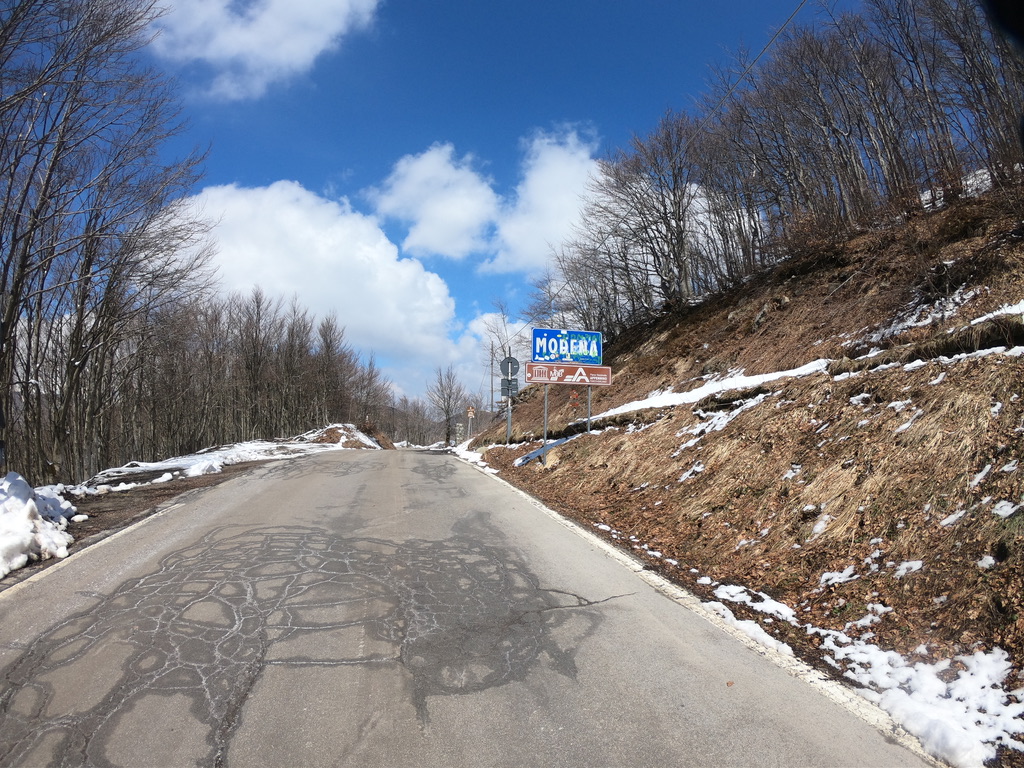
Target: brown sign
[{"x": 568, "y": 373}]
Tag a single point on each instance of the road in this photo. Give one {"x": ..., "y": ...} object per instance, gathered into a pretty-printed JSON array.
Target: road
[{"x": 393, "y": 608}]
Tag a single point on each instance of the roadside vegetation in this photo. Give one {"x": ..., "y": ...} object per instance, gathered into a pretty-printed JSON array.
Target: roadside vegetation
[
  {"x": 812, "y": 293},
  {"x": 876, "y": 488},
  {"x": 114, "y": 344}
]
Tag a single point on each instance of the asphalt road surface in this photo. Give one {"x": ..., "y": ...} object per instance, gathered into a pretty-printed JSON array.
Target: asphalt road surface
[{"x": 378, "y": 609}]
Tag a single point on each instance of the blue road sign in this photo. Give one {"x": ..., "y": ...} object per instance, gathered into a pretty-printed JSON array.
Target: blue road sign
[{"x": 561, "y": 346}]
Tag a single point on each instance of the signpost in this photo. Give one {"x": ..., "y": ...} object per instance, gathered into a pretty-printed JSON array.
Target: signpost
[
  {"x": 572, "y": 373},
  {"x": 567, "y": 357},
  {"x": 566, "y": 346},
  {"x": 509, "y": 389}
]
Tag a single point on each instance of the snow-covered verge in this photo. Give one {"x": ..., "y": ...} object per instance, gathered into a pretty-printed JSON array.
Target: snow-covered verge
[
  {"x": 32, "y": 524},
  {"x": 959, "y": 709},
  {"x": 958, "y": 716},
  {"x": 962, "y": 708},
  {"x": 34, "y": 521}
]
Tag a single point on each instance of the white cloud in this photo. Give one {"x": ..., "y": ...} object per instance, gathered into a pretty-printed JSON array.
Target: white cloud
[
  {"x": 290, "y": 241},
  {"x": 547, "y": 201},
  {"x": 448, "y": 205},
  {"x": 453, "y": 210},
  {"x": 249, "y": 44}
]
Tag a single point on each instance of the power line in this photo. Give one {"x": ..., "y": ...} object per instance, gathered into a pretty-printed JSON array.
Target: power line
[
  {"x": 749, "y": 67},
  {"x": 707, "y": 119}
]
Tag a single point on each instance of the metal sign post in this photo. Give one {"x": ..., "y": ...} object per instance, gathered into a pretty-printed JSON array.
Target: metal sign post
[
  {"x": 509, "y": 387},
  {"x": 589, "y": 390},
  {"x": 545, "y": 413}
]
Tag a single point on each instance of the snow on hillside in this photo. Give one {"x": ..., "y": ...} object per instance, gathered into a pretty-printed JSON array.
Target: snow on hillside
[
  {"x": 961, "y": 709},
  {"x": 960, "y": 718},
  {"x": 34, "y": 521}
]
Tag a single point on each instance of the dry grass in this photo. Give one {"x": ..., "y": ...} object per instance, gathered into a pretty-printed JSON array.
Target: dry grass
[{"x": 885, "y": 455}]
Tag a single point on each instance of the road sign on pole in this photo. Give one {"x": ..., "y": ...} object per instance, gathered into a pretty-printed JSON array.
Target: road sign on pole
[
  {"x": 571, "y": 373},
  {"x": 566, "y": 346},
  {"x": 509, "y": 367}
]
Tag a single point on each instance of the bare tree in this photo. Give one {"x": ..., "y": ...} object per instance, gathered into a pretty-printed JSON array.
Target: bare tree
[
  {"x": 843, "y": 126},
  {"x": 91, "y": 236},
  {"x": 447, "y": 396}
]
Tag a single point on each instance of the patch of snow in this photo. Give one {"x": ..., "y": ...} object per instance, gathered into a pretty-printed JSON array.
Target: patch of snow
[
  {"x": 821, "y": 524},
  {"x": 976, "y": 481},
  {"x": 960, "y": 721},
  {"x": 885, "y": 367},
  {"x": 875, "y": 613},
  {"x": 715, "y": 421},
  {"x": 696, "y": 469},
  {"x": 765, "y": 604},
  {"x": 752, "y": 629},
  {"x": 909, "y": 566},
  {"x": 737, "y": 381},
  {"x": 954, "y": 517},
  {"x": 1005, "y": 508},
  {"x": 921, "y": 315},
  {"x": 1006, "y": 309},
  {"x": 31, "y": 526},
  {"x": 830, "y": 578},
  {"x": 908, "y": 424}
]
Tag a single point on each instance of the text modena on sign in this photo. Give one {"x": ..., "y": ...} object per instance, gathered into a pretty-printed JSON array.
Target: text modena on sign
[
  {"x": 562, "y": 346},
  {"x": 573, "y": 373}
]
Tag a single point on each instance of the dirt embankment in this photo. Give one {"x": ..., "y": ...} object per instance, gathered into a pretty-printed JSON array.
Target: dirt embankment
[{"x": 904, "y": 470}]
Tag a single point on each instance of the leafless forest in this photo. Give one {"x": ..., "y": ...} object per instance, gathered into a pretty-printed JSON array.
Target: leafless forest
[
  {"x": 859, "y": 122},
  {"x": 115, "y": 344}
]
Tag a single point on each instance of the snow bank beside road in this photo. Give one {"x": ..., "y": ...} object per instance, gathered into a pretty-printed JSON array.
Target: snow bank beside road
[{"x": 32, "y": 524}]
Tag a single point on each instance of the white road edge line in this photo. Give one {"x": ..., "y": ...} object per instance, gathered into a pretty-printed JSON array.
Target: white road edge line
[
  {"x": 836, "y": 692},
  {"x": 13, "y": 589}
]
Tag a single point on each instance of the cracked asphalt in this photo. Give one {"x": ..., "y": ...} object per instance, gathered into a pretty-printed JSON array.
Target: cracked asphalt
[{"x": 394, "y": 608}]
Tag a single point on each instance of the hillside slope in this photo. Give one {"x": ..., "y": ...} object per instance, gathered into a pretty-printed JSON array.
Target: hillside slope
[{"x": 878, "y": 494}]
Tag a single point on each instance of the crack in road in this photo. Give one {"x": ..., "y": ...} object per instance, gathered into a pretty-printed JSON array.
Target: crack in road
[{"x": 459, "y": 616}]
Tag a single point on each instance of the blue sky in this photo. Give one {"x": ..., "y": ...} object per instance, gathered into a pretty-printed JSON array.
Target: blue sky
[{"x": 403, "y": 163}]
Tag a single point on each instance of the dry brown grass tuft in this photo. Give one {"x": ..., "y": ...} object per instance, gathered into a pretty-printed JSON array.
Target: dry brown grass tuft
[{"x": 890, "y": 465}]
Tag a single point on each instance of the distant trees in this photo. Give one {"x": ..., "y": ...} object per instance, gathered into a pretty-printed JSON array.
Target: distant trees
[
  {"x": 239, "y": 368},
  {"x": 113, "y": 344},
  {"x": 868, "y": 117},
  {"x": 448, "y": 397}
]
